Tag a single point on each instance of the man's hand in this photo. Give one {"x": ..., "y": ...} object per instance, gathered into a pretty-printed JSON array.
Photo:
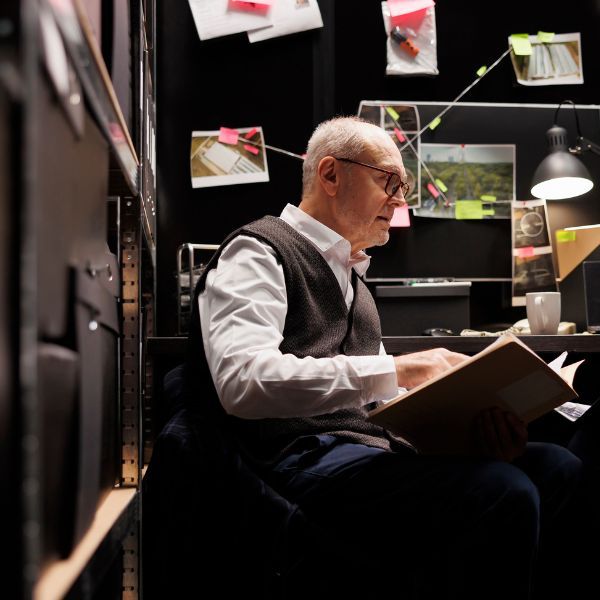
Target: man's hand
[
  {"x": 500, "y": 434},
  {"x": 417, "y": 367}
]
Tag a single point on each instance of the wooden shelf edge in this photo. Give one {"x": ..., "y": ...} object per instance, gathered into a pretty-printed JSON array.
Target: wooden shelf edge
[{"x": 59, "y": 577}]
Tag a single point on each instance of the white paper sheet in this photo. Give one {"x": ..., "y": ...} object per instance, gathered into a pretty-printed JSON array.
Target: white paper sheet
[
  {"x": 289, "y": 16},
  {"x": 213, "y": 19}
]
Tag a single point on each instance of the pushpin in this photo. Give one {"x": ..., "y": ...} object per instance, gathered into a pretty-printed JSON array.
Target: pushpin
[{"x": 404, "y": 43}]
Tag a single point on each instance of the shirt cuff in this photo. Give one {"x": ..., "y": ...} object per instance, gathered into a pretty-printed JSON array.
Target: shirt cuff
[{"x": 378, "y": 377}]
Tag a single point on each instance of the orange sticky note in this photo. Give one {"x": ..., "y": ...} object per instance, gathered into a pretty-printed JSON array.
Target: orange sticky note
[
  {"x": 433, "y": 190},
  {"x": 399, "y": 135},
  {"x": 527, "y": 251},
  {"x": 228, "y": 136},
  {"x": 251, "y": 133},
  {"x": 400, "y": 218},
  {"x": 252, "y": 149}
]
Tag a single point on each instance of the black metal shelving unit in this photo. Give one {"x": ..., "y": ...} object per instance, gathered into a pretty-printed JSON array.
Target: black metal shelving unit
[{"x": 78, "y": 187}]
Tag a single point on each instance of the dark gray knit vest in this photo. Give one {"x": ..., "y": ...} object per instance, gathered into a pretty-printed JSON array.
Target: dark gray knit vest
[{"x": 318, "y": 324}]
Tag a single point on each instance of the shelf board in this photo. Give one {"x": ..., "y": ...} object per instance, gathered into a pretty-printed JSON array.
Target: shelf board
[{"x": 114, "y": 518}]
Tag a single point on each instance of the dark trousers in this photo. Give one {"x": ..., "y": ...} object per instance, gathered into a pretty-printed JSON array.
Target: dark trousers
[{"x": 432, "y": 527}]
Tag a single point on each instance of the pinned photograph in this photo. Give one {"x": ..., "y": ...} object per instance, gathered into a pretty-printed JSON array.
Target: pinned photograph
[
  {"x": 530, "y": 226},
  {"x": 228, "y": 157},
  {"x": 402, "y": 123},
  {"x": 471, "y": 181},
  {"x": 532, "y": 265},
  {"x": 555, "y": 59}
]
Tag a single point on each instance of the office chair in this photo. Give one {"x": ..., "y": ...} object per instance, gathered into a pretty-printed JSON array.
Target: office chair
[{"x": 210, "y": 522}]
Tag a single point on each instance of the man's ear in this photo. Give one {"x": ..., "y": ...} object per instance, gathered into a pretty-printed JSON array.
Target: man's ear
[{"x": 328, "y": 174}]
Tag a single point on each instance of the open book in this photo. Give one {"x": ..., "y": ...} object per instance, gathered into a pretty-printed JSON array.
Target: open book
[{"x": 437, "y": 416}]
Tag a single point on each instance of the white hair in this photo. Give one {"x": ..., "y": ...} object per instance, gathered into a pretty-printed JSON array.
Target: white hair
[{"x": 345, "y": 137}]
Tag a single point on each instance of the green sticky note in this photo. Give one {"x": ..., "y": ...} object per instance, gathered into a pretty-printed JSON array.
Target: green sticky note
[
  {"x": 392, "y": 113},
  {"x": 441, "y": 185},
  {"x": 565, "y": 236},
  {"x": 468, "y": 209},
  {"x": 521, "y": 44},
  {"x": 545, "y": 37},
  {"x": 435, "y": 123},
  {"x": 488, "y": 198},
  {"x": 488, "y": 212},
  {"x": 481, "y": 71}
]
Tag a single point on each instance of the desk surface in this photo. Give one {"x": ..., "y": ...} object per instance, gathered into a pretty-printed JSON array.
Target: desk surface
[{"x": 399, "y": 344}]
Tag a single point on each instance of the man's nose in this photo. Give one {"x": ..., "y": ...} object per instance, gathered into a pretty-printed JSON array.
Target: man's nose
[{"x": 397, "y": 200}]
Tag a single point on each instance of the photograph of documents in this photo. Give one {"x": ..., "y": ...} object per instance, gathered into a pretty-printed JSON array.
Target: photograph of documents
[
  {"x": 215, "y": 163},
  {"x": 402, "y": 122},
  {"x": 556, "y": 62},
  {"x": 481, "y": 175}
]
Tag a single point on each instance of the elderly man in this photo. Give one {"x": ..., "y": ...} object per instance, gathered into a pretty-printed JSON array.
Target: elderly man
[{"x": 291, "y": 337}]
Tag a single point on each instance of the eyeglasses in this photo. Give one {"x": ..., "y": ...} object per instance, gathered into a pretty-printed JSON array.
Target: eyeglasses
[{"x": 394, "y": 181}]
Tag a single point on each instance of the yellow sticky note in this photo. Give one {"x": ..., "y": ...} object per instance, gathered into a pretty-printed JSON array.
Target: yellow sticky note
[
  {"x": 390, "y": 111},
  {"x": 441, "y": 185},
  {"x": 481, "y": 71},
  {"x": 435, "y": 123},
  {"x": 521, "y": 44},
  {"x": 468, "y": 209},
  {"x": 544, "y": 37},
  {"x": 488, "y": 212},
  {"x": 565, "y": 236},
  {"x": 488, "y": 198}
]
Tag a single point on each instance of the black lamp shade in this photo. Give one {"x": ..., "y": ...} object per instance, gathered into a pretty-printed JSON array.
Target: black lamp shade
[{"x": 560, "y": 175}]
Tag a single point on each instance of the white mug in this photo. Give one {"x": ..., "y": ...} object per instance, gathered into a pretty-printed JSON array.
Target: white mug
[{"x": 543, "y": 312}]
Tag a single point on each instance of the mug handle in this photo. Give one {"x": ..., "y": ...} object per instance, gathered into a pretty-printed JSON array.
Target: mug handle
[{"x": 539, "y": 301}]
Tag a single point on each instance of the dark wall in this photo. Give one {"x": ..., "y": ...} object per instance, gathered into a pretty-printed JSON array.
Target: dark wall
[{"x": 288, "y": 84}]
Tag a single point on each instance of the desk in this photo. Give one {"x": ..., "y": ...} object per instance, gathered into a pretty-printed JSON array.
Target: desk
[
  {"x": 175, "y": 346},
  {"x": 169, "y": 351},
  {"x": 471, "y": 345}
]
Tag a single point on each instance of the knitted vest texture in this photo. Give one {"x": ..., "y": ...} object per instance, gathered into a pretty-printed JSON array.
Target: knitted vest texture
[{"x": 318, "y": 324}]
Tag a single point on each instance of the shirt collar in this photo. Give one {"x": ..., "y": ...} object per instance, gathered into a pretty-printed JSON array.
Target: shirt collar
[{"x": 325, "y": 239}]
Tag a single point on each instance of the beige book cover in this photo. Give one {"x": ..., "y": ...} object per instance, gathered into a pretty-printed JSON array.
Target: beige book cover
[{"x": 437, "y": 416}]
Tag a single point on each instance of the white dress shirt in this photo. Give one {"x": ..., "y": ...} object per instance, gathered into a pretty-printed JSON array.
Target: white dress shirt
[{"x": 242, "y": 314}]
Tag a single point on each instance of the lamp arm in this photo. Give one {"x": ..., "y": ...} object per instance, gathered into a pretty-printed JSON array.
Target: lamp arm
[{"x": 585, "y": 145}]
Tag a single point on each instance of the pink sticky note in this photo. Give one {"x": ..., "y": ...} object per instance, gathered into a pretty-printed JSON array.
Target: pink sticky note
[
  {"x": 251, "y": 133},
  {"x": 433, "y": 190},
  {"x": 252, "y": 149},
  {"x": 400, "y": 218},
  {"x": 228, "y": 136},
  {"x": 409, "y": 14},
  {"x": 259, "y": 6},
  {"x": 527, "y": 251},
  {"x": 399, "y": 135},
  {"x": 404, "y": 7}
]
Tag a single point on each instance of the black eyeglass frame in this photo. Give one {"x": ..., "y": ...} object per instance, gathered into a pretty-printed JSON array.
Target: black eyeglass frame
[{"x": 404, "y": 186}]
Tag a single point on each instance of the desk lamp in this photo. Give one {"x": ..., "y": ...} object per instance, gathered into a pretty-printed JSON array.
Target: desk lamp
[{"x": 562, "y": 175}]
